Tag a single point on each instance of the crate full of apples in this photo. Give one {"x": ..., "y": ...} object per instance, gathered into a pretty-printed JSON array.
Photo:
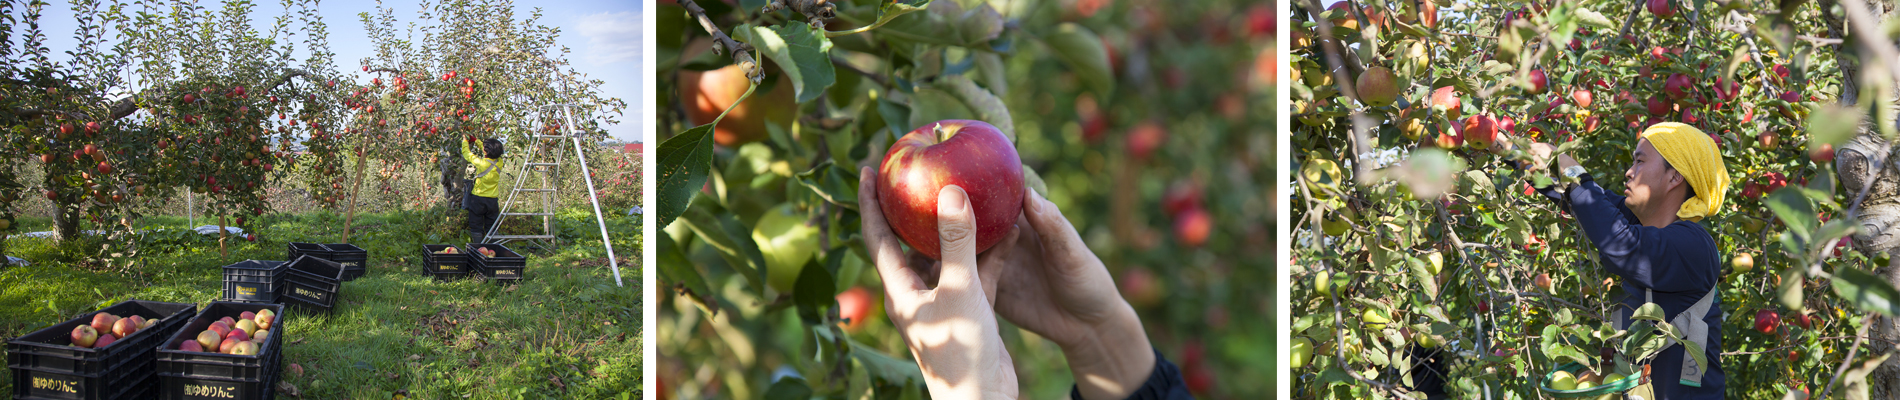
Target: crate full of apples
[
  {"x": 230, "y": 351},
  {"x": 107, "y": 354},
  {"x": 444, "y": 261},
  {"x": 497, "y": 262}
]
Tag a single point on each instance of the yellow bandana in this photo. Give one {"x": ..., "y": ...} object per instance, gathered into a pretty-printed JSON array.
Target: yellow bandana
[{"x": 1695, "y": 156}]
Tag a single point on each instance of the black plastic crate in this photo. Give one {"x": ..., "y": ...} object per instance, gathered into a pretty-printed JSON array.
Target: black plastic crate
[
  {"x": 506, "y": 265},
  {"x": 355, "y": 260},
  {"x": 444, "y": 266},
  {"x": 174, "y": 386},
  {"x": 255, "y": 271},
  {"x": 44, "y": 365},
  {"x": 131, "y": 382},
  {"x": 295, "y": 250},
  {"x": 250, "y": 292},
  {"x": 174, "y": 363}
]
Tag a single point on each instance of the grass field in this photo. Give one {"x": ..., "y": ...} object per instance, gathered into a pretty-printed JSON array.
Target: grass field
[{"x": 564, "y": 332}]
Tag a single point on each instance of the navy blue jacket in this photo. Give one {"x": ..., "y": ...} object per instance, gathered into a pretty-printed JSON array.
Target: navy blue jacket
[
  {"x": 1165, "y": 383},
  {"x": 1678, "y": 262}
]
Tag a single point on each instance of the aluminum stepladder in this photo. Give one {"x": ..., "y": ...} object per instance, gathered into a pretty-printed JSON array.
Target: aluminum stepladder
[{"x": 544, "y": 159}]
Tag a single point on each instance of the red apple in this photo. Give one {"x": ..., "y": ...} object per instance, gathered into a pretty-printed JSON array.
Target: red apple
[
  {"x": 104, "y": 340},
  {"x": 247, "y": 314},
  {"x": 1377, "y": 87},
  {"x": 1543, "y": 282},
  {"x": 244, "y": 349},
  {"x": 1802, "y": 321},
  {"x": 1822, "y": 154},
  {"x": 1539, "y": 81},
  {"x": 1192, "y": 226},
  {"x": 1480, "y": 131},
  {"x": 1678, "y": 86},
  {"x": 1581, "y": 96},
  {"x": 1768, "y": 139},
  {"x": 854, "y": 305},
  {"x": 1658, "y": 106},
  {"x": 1766, "y": 320},
  {"x": 1445, "y": 99},
  {"x": 102, "y": 322},
  {"x": 209, "y": 339},
  {"x": 228, "y": 322},
  {"x": 92, "y": 127},
  {"x": 191, "y": 345},
  {"x": 972, "y": 155},
  {"x": 1145, "y": 138},
  {"x": 1727, "y": 89},
  {"x": 226, "y": 345},
  {"x": 1180, "y": 197},
  {"x": 1661, "y": 9},
  {"x": 220, "y": 329},
  {"x": 708, "y": 93},
  {"x": 84, "y": 336},
  {"x": 124, "y": 327},
  {"x": 105, "y": 167}
]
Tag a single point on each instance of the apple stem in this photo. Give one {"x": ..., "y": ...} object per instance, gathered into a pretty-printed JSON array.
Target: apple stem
[{"x": 944, "y": 132}]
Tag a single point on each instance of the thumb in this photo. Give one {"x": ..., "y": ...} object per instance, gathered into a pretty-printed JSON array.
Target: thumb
[{"x": 956, "y": 232}]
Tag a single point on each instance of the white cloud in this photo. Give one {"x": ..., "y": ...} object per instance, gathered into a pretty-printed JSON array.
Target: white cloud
[{"x": 612, "y": 38}]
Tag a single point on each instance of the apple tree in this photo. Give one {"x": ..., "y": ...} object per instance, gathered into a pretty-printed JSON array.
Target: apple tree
[
  {"x": 460, "y": 69},
  {"x": 1145, "y": 122},
  {"x": 155, "y": 100},
  {"x": 1425, "y": 264}
]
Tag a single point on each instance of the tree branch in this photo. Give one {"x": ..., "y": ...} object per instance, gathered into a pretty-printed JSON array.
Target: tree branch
[{"x": 741, "y": 52}]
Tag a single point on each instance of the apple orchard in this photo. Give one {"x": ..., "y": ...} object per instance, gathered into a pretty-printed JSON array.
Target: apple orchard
[
  {"x": 1423, "y": 262},
  {"x": 156, "y": 101},
  {"x": 1145, "y": 122}
]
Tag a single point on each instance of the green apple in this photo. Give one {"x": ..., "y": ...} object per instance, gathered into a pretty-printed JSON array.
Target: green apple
[
  {"x": 787, "y": 243},
  {"x": 1437, "y": 262},
  {"x": 1375, "y": 321},
  {"x": 1302, "y": 352},
  {"x": 1563, "y": 380}
]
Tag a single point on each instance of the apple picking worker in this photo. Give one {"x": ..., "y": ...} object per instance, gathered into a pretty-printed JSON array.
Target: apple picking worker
[
  {"x": 480, "y": 201},
  {"x": 1652, "y": 239},
  {"x": 1041, "y": 277}
]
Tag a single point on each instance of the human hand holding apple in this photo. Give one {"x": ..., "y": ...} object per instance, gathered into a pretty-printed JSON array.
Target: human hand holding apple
[{"x": 949, "y": 327}]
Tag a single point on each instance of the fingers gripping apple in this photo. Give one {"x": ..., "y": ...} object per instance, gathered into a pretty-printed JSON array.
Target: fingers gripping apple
[{"x": 974, "y": 156}]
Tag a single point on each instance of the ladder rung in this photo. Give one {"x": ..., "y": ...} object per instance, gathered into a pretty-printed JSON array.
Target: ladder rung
[
  {"x": 543, "y": 164},
  {"x": 529, "y": 214},
  {"x": 534, "y": 190}
]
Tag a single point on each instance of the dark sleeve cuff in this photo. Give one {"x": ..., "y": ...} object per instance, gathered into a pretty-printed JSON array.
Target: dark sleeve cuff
[{"x": 1165, "y": 383}]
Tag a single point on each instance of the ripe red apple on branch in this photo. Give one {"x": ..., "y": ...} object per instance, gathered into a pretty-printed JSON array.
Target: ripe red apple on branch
[{"x": 972, "y": 155}]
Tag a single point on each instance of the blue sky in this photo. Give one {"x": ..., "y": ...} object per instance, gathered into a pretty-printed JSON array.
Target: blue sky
[{"x": 604, "y": 37}]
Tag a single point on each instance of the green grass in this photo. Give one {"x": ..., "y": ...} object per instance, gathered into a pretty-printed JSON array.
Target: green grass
[{"x": 565, "y": 332}]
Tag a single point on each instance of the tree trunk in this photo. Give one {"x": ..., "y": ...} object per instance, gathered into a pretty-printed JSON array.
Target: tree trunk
[{"x": 1879, "y": 219}]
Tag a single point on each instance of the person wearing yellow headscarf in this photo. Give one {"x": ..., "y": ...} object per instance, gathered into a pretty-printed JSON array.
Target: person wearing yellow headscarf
[{"x": 1652, "y": 238}]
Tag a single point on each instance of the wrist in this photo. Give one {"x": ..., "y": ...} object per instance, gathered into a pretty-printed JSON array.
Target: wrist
[{"x": 1114, "y": 359}]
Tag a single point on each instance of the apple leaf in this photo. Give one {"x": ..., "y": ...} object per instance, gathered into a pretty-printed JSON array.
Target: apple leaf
[
  {"x": 1794, "y": 210},
  {"x": 1790, "y": 291},
  {"x": 814, "y": 292},
  {"x": 885, "y": 14},
  {"x": 929, "y": 104},
  {"x": 1867, "y": 291},
  {"x": 678, "y": 272},
  {"x": 684, "y": 162},
  {"x": 1083, "y": 51},
  {"x": 833, "y": 183},
  {"x": 1593, "y": 18},
  {"x": 1833, "y": 124},
  {"x": 1854, "y": 383},
  {"x": 896, "y": 116},
  {"x": 800, "y": 51},
  {"x": 788, "y": 388},
  {"x": 889, "y": 376},
  {"x": 722, "y": 230}
]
